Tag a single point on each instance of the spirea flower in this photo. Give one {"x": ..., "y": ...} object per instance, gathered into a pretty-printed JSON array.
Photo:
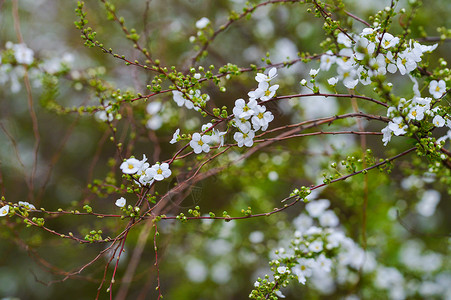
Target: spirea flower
[
  {"x": 26, "y": 205},
  {"x": 316, "y": 246},
  {"x": 332, "y": 81},
  {"x": 261, "y": 118},
  {"x": 437, "y": 89},
  {"x": 438, "y": 121},
  {"x": 387, "y": 134},
  {"x": 397, "y": 126},
  {"x": 4, "y": 210},
  {"x": 313, "y": 72},
  {"x": 327, "y": 59},
  {"x": 272, "y": 73},
  {"x": 121, "y": 202},
  {"x": 132, "y": 165},
  {"x": 243, "y": 110},
  {"x": 246, "y": 139},
  {"x": 389, "y": 41},
  {"x": 317, "y": 207},
  {"x": 175, "y": 136},
  {"x": 147, "y": 177},
  {"x": 202, "y": 23},
  {"x": 243, "y": 124},
  {"x": 200, "y": 143},
  {"x": 160, "y": 172},
  {"x": 23, "y": 54},
  {"x": 416, "y": 113}
]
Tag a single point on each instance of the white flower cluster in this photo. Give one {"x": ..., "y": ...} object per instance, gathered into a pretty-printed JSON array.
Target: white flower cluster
[
  {"x": 251, "y": 117},
  {"x": 195, "y": 100},
  {"x": 312, "y": 246},
  {"x": 320, "y": 245},
  {"x": 416, "y": 109},
  {"x": 201, "y": 143},
  {"x": 146, "y": 174},
  {"x": 13, "y": 71},
  {"x": 350, "y": 61},
  {"x": 105, "y": 115},
  {"x": 373, "y": 53},
  {"x": 4, "y": 210},
  {"x": 159, "y": 114}
]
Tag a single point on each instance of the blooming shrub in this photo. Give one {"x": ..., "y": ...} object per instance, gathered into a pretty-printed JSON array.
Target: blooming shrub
[{"x": 319, "y": 169}]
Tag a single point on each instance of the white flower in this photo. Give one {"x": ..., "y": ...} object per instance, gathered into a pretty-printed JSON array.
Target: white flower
[
  {"x": 282, "y": 270},
  {"x": 438, "y": 121},
  {"x": 202, "y": 23},
  {"x": 146, "y": 176},
  {"x": 121, "y": 202},
  {"x": 323, "y": 263},
  {"x": 262, "y": 77},
  {"x": 397, "y": 126},
  {"x": 260, "y": 91},
  {"x": 175, "y": 136},
  {"x": 406, "y": 62},
  {"x": 303, "y": 269},
  {"x": 350, "y": 84},
  {"x": 316, "y": 246},
  {"x": 364, "y": 75},
  {"x": 261, "y": 118},
  {"x": 23, "y": 54},
  {"x": 363, "y": 48},
  {"x": 243, "y": 124},
  {"x": 218, "y": 137},
  {"x": 279, "y": 294},
  {"x": 200, "y": 143},
  {"x": 302, "y": 222},
  {"x": 344, "y": 40},
  {"x": 26, "y": 205},
  {"x": 327, "y": 59},
  {"x": 256, "y": 237},
  {"x": 428, "y": 203},
  {"x": 328, "y": 219},
  {"x": 317, "y": 207},
  {"x": 387, "y": 135},
  {"x": 154, "y": 123},
  {"x": 437, "y": 89},
  {"x": 243, "y": 110},
  {"x": 197, "y": 76},
  {"x": 345, "y": 59},
  {"x": 303, "y": 82},
  {"x": 153, "y": 107},
  {"x": 389, "y": 41},
  {"x": 428, "y": 49},
  {"x": 416, "y": 113},
  {"x": 391, "y": 63},
  {"x": 159, "y": 172},
  {"x": 425, "y": 102},
  {"x": 313, "y": 72},
  {"x": 348, "y": 76},
  {"x": 379, "y": 64},
  {"x": 104, "y": 115},
  {"x": 4, "y": 210},
  {"x": 132, "y": 165},
  {"x": 178, "y": 98},
  {"x": 332, "y": 81},
  {"x": 246, "y": 139},
  {"x": 269, "y": 91}
]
